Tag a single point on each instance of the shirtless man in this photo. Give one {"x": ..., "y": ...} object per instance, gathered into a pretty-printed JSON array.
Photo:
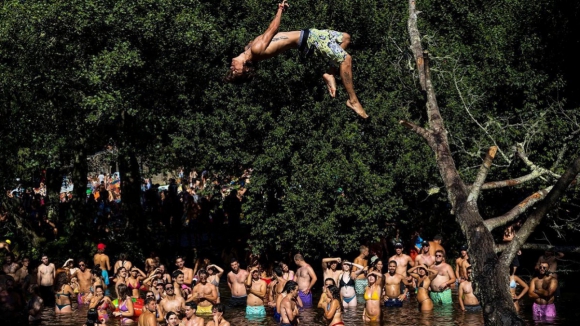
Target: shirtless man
[
  {"x": 542, "y": 290},
  {"x": 402, "y": 261},
  {"x": 45, "y": 278},
  {"x": 237, "y": 284},
  {"x": 306, "y": 278},
  {"x": 148, "y": 318},
  {"x": 84, "y": 277},
  {"x": 218, "y": 316},
  {"x": 171, "y": 302},
  {"x": 10, "y": 266},
  {"x": 361, "y": 283},
  {"x": 392, "y": 295},
  {"x": 22, "y": 272},
  {"x": 460, "y": 268},
  {"x": 288, "y": 307},
  {"x": 552, "y": 260},
  {"x": 180, "y": 289},
  {"x": 467, "y": 300},
  {"x": 327, "y": 44},
  {"x": 442, "y": 280},
  {"x": 187, "y": 272},
  {"x": 436, "y": 245},
  {"x": 103, "y": 261},
  {"x": 256, "y": 294},
  {"x": 329, "y": 268},
  {"x": 190, "y": 318},
  {"x": 424, "y": 257},
  {"x": 204, "y": 294}
]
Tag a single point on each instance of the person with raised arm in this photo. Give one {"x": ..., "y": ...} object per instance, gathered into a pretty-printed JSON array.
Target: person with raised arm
[
  {"x": 423, "y": 283},
  {"x": 328, "y": 45},
  {"x": 329, "y": 268}
]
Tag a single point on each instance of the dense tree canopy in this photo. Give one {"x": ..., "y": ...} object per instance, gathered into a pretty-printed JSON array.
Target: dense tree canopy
[{"x": 147, "y": 76}]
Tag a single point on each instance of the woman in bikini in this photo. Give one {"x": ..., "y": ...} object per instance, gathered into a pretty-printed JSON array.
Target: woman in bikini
[
  {"x": 122, "y": 262},
  {"x": 126, "y": 311},
  {"x": 346, "y": 283},
  {"x": 333, "y": 310},
  {"x": 120, "y": 278},
  {"x": 372, "y": 295},
  {"x": 134, "y": 281},
  {"x": 164, "y": 274},
  {"x": 514, "y": 282},
  {"x": 423, "y": 280},
  {"x": 63, "y": 294},
  {"x": 101, "y": 303},
  {"x": 214, "y": 274}
]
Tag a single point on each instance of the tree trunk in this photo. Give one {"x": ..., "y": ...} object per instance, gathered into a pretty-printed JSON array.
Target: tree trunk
[
  {"x": 131, "y": 189},
  {"x": 79, "y": 178},
  {"x": 491, "y": 279}
]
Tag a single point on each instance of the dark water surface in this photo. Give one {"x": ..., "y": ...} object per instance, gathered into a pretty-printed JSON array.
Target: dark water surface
[{"x": 407, "y": 315}]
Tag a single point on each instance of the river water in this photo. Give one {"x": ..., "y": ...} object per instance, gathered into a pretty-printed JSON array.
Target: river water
[{"x": 407, "y": 315}]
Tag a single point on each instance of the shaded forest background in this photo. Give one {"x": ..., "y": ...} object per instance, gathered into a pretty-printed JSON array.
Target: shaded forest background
[{"x": 147, "y": 75}]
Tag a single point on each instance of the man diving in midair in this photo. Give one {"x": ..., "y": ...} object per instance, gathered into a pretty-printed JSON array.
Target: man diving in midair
[{"x": 327, "y": 44}]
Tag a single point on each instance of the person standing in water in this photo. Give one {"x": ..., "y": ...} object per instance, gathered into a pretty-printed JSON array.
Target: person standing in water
[
  {"x": 467, "y": 300},
  {"x": 306, "y": 278}
]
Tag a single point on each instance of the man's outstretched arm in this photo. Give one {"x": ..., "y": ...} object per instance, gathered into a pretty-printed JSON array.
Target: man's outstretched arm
[{"x": 261, "y": 42}]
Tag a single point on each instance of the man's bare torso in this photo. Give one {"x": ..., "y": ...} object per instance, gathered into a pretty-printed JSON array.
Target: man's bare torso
[
  {"x": 281, "y": 42},
  {"x": 303, "y": 278}
]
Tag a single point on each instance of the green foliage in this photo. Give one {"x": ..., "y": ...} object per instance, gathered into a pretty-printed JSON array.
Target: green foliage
[{"x": 148, "y": 76}]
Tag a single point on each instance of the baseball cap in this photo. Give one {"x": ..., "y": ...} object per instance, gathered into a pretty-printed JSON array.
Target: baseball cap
[
  {"x": 101, "y": 246},
  {"x": 398, "y": 244},
  {"x": 425, "y": 243},
  {"x": 464, "y": 247}
]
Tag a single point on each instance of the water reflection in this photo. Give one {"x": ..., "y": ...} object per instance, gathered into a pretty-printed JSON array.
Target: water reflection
[{"x": 407, "y": 315}]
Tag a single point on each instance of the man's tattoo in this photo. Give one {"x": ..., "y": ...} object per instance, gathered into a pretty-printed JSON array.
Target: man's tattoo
[{"x": 279, "y": 38}]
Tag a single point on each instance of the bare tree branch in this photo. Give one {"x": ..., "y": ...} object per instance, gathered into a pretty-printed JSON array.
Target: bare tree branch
[
  {"x": 541, "y": 246},
  {"x": 522, "y": 155},
  {"x": 482, "y": 174},
  {"x": 416, "y": 47},
  {"x": 419, "y": 130},
  {"x": 512, "y": 214},
  {"x": 542, "y": 209}
]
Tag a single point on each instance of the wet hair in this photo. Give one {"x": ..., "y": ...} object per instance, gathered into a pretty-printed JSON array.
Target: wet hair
[
  {"x": 176, "y": 273},
  {"x": 234, "y": 260},
  {"x": 248, "y": 73},
  {"x": 290, "y": 286},
  {"x": 438, "y": 237},
  {"x": 298, "y": 257},
  {"x": 335, "y": 292},
  {"x": 61, "y": 279},
  {"x": 82, "y": 260},
  {"x": 96, "y": 270},
  {"x": 330, "y": 279},
  {"x": 191, "y": 304},
  {"x": 148, "y": 300},
  {"x": 169, "y": 314},
  {"x": 220, "y": 307},
  {"x": 213, "y": 269},
  {"x": 124, "y": 291},
  {"x": 278, "y": 271}
]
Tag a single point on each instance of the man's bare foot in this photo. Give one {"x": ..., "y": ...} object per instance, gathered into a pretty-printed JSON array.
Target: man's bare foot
[
  {"x": 357, "y": 107},
  {"x": 330, "y": 84}
]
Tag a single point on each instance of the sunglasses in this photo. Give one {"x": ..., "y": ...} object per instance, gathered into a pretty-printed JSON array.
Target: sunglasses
[
  {"x": 81, "y": 265},
  {"x": 438, "y": 255},
  {"x": 169, "y": 288}
]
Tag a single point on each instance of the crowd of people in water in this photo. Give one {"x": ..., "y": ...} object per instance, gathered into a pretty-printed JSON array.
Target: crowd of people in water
[{"x": 152, "y": 293}]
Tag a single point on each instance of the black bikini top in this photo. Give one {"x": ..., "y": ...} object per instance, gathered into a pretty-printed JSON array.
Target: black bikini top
[{"x": 341, "y": 283}]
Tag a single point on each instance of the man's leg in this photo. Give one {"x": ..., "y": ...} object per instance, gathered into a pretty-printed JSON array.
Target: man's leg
[
  {"x": 329, "y": 75},
  {"x": 346, "y": 76}
]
